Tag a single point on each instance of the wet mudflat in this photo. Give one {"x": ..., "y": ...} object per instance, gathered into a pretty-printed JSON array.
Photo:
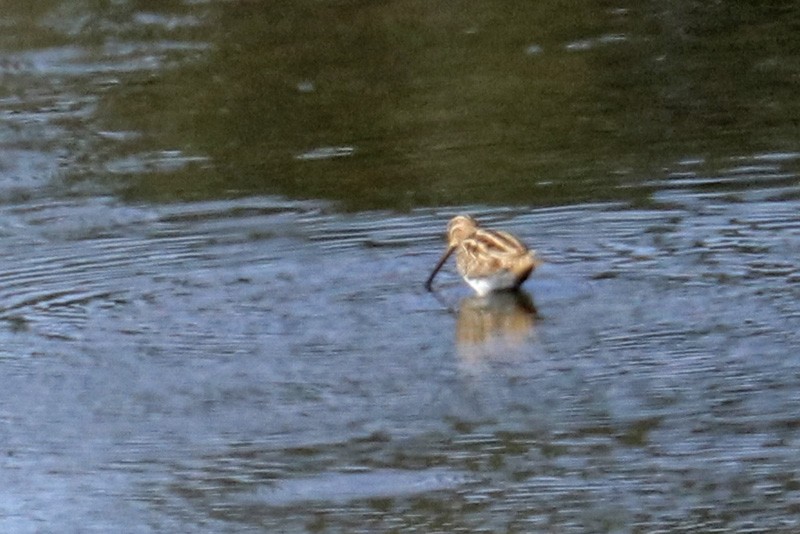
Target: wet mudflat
[{"x": 210, "y": 324}]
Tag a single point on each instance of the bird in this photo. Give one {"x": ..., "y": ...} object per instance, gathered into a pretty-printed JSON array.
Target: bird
[{"x": 488, "y": 260}]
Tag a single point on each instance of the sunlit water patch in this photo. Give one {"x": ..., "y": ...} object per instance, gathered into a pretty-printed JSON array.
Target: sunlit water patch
[{"x": 224, "y": 361}]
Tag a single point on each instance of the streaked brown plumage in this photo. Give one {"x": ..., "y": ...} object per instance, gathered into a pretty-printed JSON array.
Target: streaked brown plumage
[{"x": 488, "y": 260}]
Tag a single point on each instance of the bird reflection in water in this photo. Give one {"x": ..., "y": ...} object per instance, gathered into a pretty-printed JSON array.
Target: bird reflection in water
[{"x": 495, "y": 327}]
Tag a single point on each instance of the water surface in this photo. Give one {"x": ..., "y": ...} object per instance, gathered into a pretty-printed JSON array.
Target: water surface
[{"x": 216, "y": 219}]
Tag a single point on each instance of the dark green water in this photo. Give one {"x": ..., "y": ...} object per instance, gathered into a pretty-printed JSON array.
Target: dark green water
[{"x": 216, "y": 218}]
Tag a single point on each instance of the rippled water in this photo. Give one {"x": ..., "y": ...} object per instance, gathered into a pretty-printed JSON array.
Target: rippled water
[
  {"x": 269, "y": 364},
  {"x": 211, "y": 306}
]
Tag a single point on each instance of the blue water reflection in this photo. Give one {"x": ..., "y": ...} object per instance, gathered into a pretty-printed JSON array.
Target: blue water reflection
[{"x": 216, "y": 219}]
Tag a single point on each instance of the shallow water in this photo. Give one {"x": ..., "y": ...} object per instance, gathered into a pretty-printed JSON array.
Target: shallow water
[
  {"x": 203, "y": 328},
  {"x": 260, "y": 363}
]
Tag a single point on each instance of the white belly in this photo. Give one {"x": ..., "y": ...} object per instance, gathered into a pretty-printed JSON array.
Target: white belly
[{"x": 496, "y": 282}]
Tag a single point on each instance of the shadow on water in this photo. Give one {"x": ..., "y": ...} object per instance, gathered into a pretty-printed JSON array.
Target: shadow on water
[
  {"x": 216, "y": 219},
  {"x": 402, "y": 104}
]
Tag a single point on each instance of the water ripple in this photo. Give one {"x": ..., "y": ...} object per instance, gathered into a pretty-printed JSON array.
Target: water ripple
[{"x": 662, "y": 359}]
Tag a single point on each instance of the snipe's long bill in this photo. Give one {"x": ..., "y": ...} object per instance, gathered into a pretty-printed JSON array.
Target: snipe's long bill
[{"x": 488, "y": 260}]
